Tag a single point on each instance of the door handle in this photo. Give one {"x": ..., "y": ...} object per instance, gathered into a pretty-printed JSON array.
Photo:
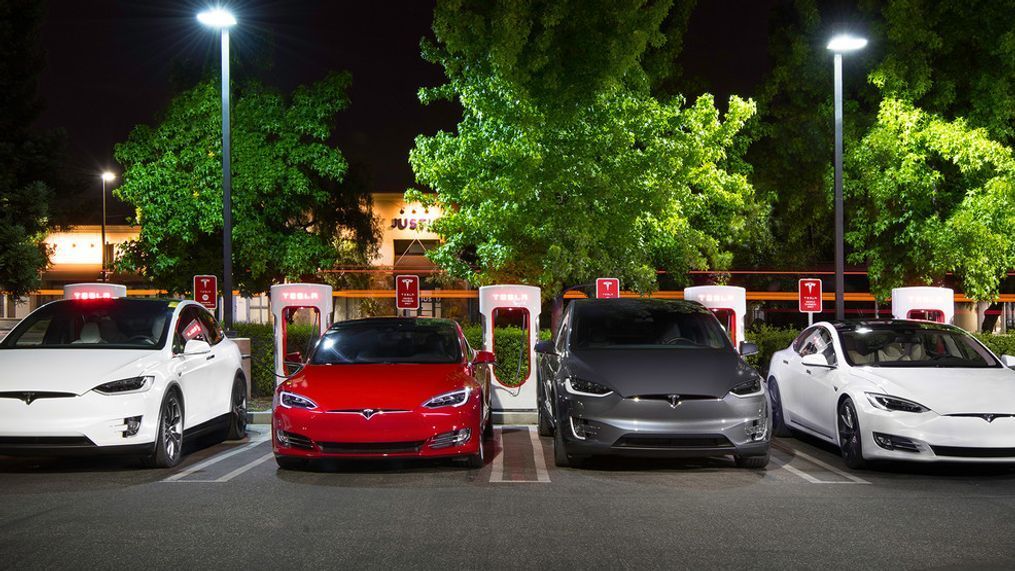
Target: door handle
[
  {"x": 209, "y": 357},
  {"x": 785, "y": 362}
]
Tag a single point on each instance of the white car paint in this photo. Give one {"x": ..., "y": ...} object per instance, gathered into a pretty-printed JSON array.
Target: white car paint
[
  {"x": 205, "y": 381},
  {"x": 810, "y": 397}
]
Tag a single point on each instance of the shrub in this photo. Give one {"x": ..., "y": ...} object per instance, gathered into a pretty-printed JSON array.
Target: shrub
[
  {"x": 999, "y": 344},
  {"x": 262, "y": 356},
  {"x": 508, "y": 344},
  {"x": 769, "y": 339}
]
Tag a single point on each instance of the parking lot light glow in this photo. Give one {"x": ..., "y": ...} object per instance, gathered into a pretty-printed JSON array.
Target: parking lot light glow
[
  {"x": 217, "y": 18},
  {"x": 108, "y": 176},
  {"x": 846, "y": 43}
]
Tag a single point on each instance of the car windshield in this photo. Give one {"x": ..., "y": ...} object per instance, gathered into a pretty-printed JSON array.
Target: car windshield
[
  {"x": 389, "y": 341},
  {"x": 96, "y": 323},
  {"x": 913, "y": 345},
  {"x": 630, "y": 324}
]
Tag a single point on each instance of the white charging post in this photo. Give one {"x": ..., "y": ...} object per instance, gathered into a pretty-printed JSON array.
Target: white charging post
[
  {"x": 94, "y": 291},
  {"x": 522, "y": 302},
  {"x": 926, "y": 303},
  {"x": 728, "y": 303},
  {"x": 285, "y": 300}
]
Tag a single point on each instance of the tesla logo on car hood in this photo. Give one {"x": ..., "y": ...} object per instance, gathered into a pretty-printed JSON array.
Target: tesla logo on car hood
[
  {"x": 368, "y": 412},
  {"x": 28, "y": 397},
  {"x": 674, "y": 400}
]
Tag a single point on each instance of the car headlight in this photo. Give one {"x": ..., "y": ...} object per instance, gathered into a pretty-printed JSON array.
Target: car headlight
[
  {"x": 126, "y": 386},
  {"x": 894, "y": 404},
  {"x": 454, "y": 398},
  {"x": 586, "y": 388},
  {"x": 293, "y": 400},
  {"x": 748, "y": 388}
]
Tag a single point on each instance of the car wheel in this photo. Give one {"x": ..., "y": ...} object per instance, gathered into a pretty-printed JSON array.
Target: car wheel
[
  {"x": 169, "y": 439},
  {"x": 290, "y": 463},
  {"x": 477, "y": 460},
  {"x": 545, "y": 426},
  {"x": 752, "y": 462},
  {"x": 779, "y": 427},
  {"x": 238, "y": 416},
  {"x": 850, "y": 440},
  {"x": 488, "y": 430},
  {"x": 560, "y": 456}
]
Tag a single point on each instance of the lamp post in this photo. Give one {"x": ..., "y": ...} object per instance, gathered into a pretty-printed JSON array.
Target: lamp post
[
  {"x": 840, "y": 44},
  {"x": 221, "y": 19},
  {"x": 106, "y": 176}
]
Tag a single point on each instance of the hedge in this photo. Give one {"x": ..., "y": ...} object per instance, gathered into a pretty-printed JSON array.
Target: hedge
[
  {"x": 999, "y": 344},
  {"x": 262, "y": 356},
  {"x": 769, "y": 339},
  {"x": 508, "y": 343}
]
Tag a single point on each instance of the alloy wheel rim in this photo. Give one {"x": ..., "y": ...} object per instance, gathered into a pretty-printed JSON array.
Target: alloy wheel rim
[
  {"x": 773, "y": 392},
  {"x": 172, "y": 428},
  {"x": 240, "y": 410},
  {"x": 847, "y": 427}
]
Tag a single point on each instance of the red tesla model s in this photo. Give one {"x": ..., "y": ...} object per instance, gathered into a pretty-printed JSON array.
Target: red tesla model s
[{"x": 385, "y": 388}]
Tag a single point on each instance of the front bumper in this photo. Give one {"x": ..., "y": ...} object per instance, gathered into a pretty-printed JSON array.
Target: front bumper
[
  {"x": 653, "y": 427},
  {"x": 931, "y": 437},
  {"x": 86, "y": 424},
  {"x": 421, "y": 433}
]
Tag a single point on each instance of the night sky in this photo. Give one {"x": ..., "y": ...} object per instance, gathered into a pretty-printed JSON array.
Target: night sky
[{"x": 109, "y": 62}]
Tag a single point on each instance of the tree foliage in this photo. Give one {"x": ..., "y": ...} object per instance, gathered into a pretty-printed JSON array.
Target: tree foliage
[
  {"x": 612, "y": 182},
  {"x": 288, "y": 206},
  {"x": 26, "y": 158}
]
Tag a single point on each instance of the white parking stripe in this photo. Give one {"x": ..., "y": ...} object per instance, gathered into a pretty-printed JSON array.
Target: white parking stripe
[
  {"x": 243, "y": 469},
  {"x": 826, "y": 466},
  {"x": 497, "y": 467},
  {"x": 215, "y": 459},
  {"x": 800, "y": 473},
  {"x": 537, "y": 454}
]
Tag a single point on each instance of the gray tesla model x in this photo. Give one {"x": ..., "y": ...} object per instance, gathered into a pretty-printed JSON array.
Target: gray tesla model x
[{"x": 649, "y": 377}]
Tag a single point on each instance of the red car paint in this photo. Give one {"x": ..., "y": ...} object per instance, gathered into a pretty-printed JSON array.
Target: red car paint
[{"x": 376, "y": 410}]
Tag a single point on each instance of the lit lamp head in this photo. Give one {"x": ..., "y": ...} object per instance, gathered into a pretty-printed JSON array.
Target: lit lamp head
[
  {"x": 844, "y": 43},
  {"x": 218, "y": 18},
  {"x": 108, "y": 176}
]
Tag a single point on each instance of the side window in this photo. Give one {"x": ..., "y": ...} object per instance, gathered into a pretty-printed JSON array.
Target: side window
[
  {"x": 826, "y": 347},
  {"x": 189, "y": 327},
  {"x": 34, "y": 335},
  {"x": 565, "y": 324},
  {"x": 799, "y": 342},
  {"x": 812, "y": 343},
  {"x": 213, "y": 328}
]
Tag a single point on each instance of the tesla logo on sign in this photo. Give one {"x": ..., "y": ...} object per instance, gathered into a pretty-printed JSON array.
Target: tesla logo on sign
[
  {"x": 206, "y": 291},
  {"x": 407, "y": 292},
  {"x": 810, "y": 296},
  {"x": 607, "y": 288}
]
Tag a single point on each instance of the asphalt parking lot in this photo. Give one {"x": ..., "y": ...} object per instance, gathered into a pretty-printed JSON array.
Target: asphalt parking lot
[{"x": 228, "y": 506}]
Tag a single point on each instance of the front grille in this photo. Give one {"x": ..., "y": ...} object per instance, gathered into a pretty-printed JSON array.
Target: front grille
[
  {"x": 667, "y": 398},
  {"x": 983, "y": 415},
  {"x": 46, "y": 441},
  {"x": 32, "y": 396},
  {"x": 663, "y": 441},
  {"x": 370, "y": 447},
  {"x": 963, "y": 452}
]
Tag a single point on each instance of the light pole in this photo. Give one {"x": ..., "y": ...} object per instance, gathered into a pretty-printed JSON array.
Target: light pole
[
  {"x": 222, "y": 20},
  {"x": 106, "y": 177},
  {"x": 840, "y": 44}
]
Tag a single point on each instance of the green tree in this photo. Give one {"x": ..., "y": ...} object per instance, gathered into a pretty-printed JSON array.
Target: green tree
[
  {"x": 614, "y": 182},
  {"x": 288, "y": 206},
  {"x": 27, "y": 159}
]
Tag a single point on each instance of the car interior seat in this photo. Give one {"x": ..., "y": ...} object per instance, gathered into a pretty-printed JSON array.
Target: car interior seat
[{"x": 90, "y": 333}]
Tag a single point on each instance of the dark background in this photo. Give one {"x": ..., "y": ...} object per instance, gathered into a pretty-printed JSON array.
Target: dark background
[{"x": 109, "y": 68}]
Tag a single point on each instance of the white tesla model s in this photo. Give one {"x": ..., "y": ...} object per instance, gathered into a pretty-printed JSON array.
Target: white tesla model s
[
  {"x": 896, "y": 390},
  {"x": 122, "y": 376}
]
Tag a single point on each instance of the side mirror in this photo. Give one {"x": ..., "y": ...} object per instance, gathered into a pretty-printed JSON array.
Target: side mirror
[
  {"x": 196, "y": 347},
  {"x": 748, "y": 349},
  {"x": 1008, "y": 361},
  {"x": 546, "y": 348},
  {"x": 484, "y": 358},
  {"x": 815, "y": 360}
]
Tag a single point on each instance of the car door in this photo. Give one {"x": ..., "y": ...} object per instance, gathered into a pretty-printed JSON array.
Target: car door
[
  {"x": 223, "y": 368},
  {"x": 194, "y": 372},
  {"x": 789, "y": 375},
  {"x": 550, "y": 364},
  {"x": 817, "y": 386}
]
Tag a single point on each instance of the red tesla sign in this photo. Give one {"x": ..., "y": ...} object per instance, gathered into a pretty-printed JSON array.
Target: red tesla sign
[
  {"x": 607, "y": 288},
  {"x": 206, "y": 291},
  {"x": 407, "y": 292},
  {"x": 810, "y": 296}
]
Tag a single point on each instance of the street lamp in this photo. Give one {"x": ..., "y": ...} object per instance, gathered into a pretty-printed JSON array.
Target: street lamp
[
  {"x": 106, "y": 177},
  {"x": 221, "y": 19},
  {"x": 840, "y": 44}
]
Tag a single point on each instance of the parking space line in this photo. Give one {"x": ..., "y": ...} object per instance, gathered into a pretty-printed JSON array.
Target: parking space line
[
  {"x": 794, "y": 453},
  {"x": 214, "y": 460},
  {"x": 246, "y": 467},
  {"x": 497, "y": 466},
  {"x": 537, "y": 454}
]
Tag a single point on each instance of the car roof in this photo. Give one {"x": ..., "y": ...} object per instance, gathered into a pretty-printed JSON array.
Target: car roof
[
  {"x": 683, "y": 304},
  {"x": 391, "y": 319},
  {"x": 854, "y": 324}
]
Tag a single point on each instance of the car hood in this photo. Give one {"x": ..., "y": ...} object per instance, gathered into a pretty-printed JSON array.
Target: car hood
[
  {"x": 630, "y": 372},
  {"x": 70, "y": 370},
  {"x": 398, "y": 387},
  {"x": 948, "y": 391}
]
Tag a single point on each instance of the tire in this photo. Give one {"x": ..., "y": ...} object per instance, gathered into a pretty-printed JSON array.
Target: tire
[
  {"x": 779, "y": 427},
  {"x": 477, "y": 460},
  {"x": 238, "y": 407},
  {"x": 289, "y": 463},
  {"x": 488, "y": 430},
  {"x": 545, "y": 426},
  {"x": 561, "y": 459},
  {"x": 850, "y": 437},
  {"x": 168, "y": 446},
  {"x": 751, "y": 462}
]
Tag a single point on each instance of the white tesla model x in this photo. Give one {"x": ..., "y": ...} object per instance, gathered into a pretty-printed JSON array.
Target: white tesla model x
[
  {"x": 896, "y": 390},
  {"x": 122, "y": 376}
]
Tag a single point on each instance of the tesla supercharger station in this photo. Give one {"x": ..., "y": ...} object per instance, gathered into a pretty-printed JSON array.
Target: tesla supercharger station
[
  {"x": 94, "y": 291},
  {"x": 286, "y": 300},
  {"x": 728, "y": 303},
  {"x": 928, "y": 303},
  {"x": 520, "y": 303}
]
